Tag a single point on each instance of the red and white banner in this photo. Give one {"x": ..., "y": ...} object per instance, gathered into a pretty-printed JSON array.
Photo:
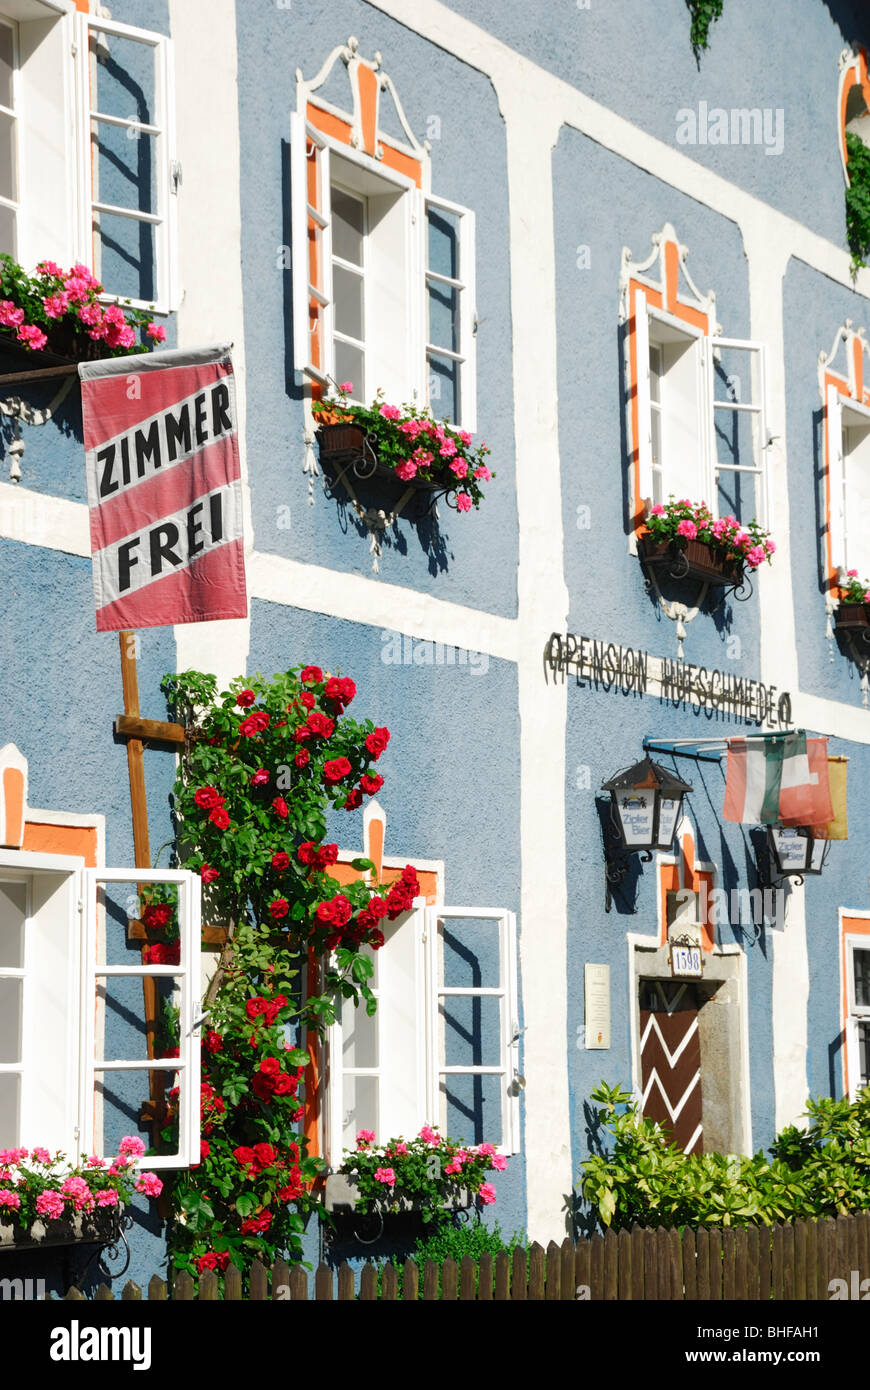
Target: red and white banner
[{"x": 164, "y": 488}]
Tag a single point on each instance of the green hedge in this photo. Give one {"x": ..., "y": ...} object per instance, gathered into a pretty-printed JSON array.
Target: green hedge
[{"x": 646, "y": 1180}]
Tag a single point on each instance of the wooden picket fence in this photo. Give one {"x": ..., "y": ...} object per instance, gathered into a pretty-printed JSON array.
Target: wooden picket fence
[{"x": 796, "y": 1261}]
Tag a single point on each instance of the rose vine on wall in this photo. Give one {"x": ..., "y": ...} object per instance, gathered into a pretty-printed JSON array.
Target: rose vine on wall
[
  {"x": 704, "y": 13},
  {"x": 262, "y": 764}
]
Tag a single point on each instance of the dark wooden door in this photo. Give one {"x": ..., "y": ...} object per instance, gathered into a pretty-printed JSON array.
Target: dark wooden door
[{"x": 670, "y": 1060}]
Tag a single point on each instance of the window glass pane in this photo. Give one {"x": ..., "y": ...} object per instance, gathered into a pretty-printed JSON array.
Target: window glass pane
[
  {"x": 13, "y": 906},
  {"x": 10, "y": 1110},
  {"x": 470, "y": 1031},
  {"x": 359, "y": 1033},
  {"x": 736, "y": 431},
  {"x": 123, "y": 1035},
  {"x": 360, "y": 1100},
  {"x": 861, "y": 960},
  {"x": 443, "y": 387},
  {"x": 124, "y": 167},
  {"x": 8, "y": 161},
  {"x": 119, "y": 1096},
  {"x": 8, "y": 231},
  {"x": 443, "y": 315},
  {"x": 738, "y": 494},
  {"x": 6, "y": 65},
  {"x": 864, "y": 1052},
  {"x": 471, "y": 1108},
  {"x": 655, "y": 372},
  {"x": 349, "y": 366},
  {"x": 125, "y": 77},
  {"x": 347, "y": 288},
  {"x": 470, "y": 948},
  {"x": 125, "y": 256},
  {"x": 856, "y": 461},
  {"x": 444, "y": 243},
  {"x": 11, "y": 996},
  {"x": 348, "y": 216}
]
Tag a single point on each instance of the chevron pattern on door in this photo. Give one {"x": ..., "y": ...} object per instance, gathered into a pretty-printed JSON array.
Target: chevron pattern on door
[{"x": 670, "y": 1060}]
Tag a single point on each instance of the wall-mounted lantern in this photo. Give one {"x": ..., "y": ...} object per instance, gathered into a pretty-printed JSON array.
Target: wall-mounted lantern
[
  {"x": 645, "y": 805},
  {"x": 794, "y": 853}
]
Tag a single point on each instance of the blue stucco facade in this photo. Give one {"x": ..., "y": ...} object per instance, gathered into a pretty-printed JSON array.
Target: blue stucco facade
[{"x": 486, "y": 749}]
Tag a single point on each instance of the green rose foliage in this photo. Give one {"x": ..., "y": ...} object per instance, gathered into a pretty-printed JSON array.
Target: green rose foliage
[
  {"x": 858, "y": 201},
  {"x": 262, "y": 764},
  {"x": 645, "y": 1179},
  {"x": 704, "y": 14}
]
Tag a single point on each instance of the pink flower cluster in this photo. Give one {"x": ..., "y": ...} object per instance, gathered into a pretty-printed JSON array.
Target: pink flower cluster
[
  {"x": 74, "y": 293},
  {"x": 695, "y": 521}
]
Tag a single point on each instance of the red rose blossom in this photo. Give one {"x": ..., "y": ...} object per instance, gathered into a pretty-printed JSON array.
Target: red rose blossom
[
  {"x": 156, "y": 916},
  {"x": 270, "y": 1065},
  {"x": 245, "y": 698},
  {"x": 370, "y": 785},
  {"x": 256, "y": 1225},
  {"x": 336, "y": 770},
  {"x": 278, "y": 908},
  {"x": 280, "y": 861},
  {"x": 308, "y": 699},
  {"x": 208, "y": 874},
  {"x": 354, "y": 799},
  {"x": 207, "y": 798},
  {"x": 254, "y": 724},
  {"x": 377, "y": 741},
  {"x": 280, "y": 807},
  {"x": 219, "y": 818},
  {"x": 311, "y": 675},
  {"x": 321, "y": 724},
  {"x": 302, "y": 757}
]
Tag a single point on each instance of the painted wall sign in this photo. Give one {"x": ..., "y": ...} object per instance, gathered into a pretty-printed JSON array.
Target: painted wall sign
[
  {"x": 596, "y": 992},
  {"x": 609, "y": 666}
]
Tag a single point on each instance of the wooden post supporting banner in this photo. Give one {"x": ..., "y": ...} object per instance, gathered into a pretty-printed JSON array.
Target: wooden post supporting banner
[{"x": 142, "y": 853}]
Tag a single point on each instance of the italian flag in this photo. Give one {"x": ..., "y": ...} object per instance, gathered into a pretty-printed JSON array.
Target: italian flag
[{"x": 782, "y": 780}]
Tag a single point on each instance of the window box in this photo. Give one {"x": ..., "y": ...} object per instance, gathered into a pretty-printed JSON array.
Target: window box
[
  {"x": 349, "y": 445},
  {"x": 695, "y": 560},
  {"x": 101, "y": 1227},
  {"x": 341, "y": 1195},
  {"x": 850, "y": 617}
]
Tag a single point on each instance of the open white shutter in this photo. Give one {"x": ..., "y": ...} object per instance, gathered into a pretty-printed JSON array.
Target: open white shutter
[
  {"x": 456, "y": 282},
  {"x": 311, "y": 257},
  {"x": 836, "y": 478},
  {"x": 733, "y": 407},
  {"x": 643, "y": 443},
  {"x": 495, "y": 959},
  {"x": 98, "y": 1005}
]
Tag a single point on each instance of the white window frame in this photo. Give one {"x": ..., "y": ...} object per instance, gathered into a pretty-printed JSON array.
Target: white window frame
[
  {"x": 753, "y": 407},
  {"x": 360, "y": 271},
  {"x": 506, "y": 992},
  {"x": 164, "y": 220},
  {"x": 841, "y": 416},
  {"x": 187, "y": 1064},
  {"x": 422, "y": 923},
  {"x": 856, "y": 1013},
  {"x": 465, "y": 285},
  {"x": 36, "y": 1071},
  {"x": 414, "y": 386},
  {"x": 14, "y": 111},
  {"x": 706, "y": 349}
]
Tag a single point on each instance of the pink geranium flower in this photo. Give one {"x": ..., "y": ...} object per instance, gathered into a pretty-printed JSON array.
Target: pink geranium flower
[
  {"x": 131, "y": 1145},
  {"x": 463, "y": 502},
  {"x": 459, "y": 467},
  {"x": 406, "y": 470},
  {"x": 149, "y": 1184},
  {"x": 109, "y": 1198},
  {"x": 365, "y": 1136},
  {"x": 346, "y": 387},
  {"x": 56, "y": 305},
  {"x": 9, "y": 1198},
  {"x": 390, "y": 412},
  {"x": 385, "y": 1175},
  {"x": 31, "y": 336},
  {"x": 156, "y": 331},
  {"x": 50, "y": 1204},
  {"x": 41, "y": 1156},
  {"x": 499, "y": 1162},
  {"x": 430, "y": 1135},
  {"x": 687, "y": 529},
  {"x": 482, "y": 473},
  {"x": 486, "y": 1193}
]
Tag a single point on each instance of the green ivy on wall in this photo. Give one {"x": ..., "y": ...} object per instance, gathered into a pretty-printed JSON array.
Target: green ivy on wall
[
  {"x": 704, "y": 13},
  {"x": 858, "y": 201}
]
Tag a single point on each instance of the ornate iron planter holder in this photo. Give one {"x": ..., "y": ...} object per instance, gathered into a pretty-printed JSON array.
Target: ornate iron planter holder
[
  {"x": 854, "y": 618},
  {"x": 698, "y": 561},
  {"x": 106, "y": 1229},
  {"x": 348, "y": 451}
]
